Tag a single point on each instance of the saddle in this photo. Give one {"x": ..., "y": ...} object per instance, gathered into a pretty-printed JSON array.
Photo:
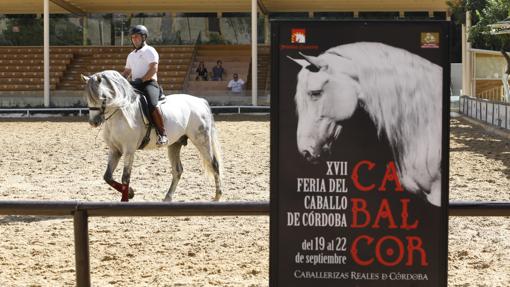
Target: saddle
[{"x": 143, "y": 105}]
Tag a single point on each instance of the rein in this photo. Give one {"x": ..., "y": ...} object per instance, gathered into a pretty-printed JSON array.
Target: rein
[
  {"x": 111, "y": 115},
  {"x": 102, "y": 110}
]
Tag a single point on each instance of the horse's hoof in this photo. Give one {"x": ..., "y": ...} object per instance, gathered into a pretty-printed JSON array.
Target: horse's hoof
[
  {"x": 217, "y": 198},
  {"x": 131, "y": 193},
  {"x": 167, "y": 199}
]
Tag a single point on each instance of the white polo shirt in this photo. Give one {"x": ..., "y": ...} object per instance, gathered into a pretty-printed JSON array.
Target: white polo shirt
[
  {"x": 138, "y": 61},
  {"x": 236, "y": 86}
]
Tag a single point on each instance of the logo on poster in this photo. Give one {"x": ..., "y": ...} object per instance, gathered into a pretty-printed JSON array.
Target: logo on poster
[
  {"x": 429, "y": 40},
  {"x": 298, "y": 36}
]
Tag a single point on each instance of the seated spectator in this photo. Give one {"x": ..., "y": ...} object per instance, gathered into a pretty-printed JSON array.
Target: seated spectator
[
  {"x": 236, "y": 84},
  {"x": 201, "y": 72},
  {"x": 218, "y": 71}
]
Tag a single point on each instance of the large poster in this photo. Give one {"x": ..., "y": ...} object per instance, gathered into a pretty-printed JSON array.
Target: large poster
[{"x": 359, "y": 175}]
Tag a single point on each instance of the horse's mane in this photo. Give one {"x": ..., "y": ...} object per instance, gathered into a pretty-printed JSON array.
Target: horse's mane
[
  {"x": 113, "y": 87},
  {"x": 402, "y": 92}
]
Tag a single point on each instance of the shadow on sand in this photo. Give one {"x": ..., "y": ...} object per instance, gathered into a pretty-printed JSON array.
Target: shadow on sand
[
  {"x": 477, "y": 140},
  {"x": 10, "y": 219}
]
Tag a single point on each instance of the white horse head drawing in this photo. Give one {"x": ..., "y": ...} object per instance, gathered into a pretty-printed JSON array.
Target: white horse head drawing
[{"x": 402, "y": 93}]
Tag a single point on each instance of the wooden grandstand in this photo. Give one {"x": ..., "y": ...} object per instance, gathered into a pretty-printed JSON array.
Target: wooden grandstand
[
  {"x": 173, "y": 65},
  {"x": 490, "y": 89},
  {"x": 21, "y": 68}
]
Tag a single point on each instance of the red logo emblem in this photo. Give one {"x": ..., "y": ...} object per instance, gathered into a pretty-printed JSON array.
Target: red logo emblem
[{"x": 298, "y": 36}]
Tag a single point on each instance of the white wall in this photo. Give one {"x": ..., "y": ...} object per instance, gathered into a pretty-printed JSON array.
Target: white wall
[{"x": 456, "y": 78}]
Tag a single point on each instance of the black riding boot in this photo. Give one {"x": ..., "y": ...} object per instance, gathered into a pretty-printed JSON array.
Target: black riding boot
[{"x": 160, "y": 127}]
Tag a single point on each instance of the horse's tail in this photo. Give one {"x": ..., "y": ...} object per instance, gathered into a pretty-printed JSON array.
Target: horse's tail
[
  {"x": 217, "y": 157},
  {"x": 216, "y": 164}
]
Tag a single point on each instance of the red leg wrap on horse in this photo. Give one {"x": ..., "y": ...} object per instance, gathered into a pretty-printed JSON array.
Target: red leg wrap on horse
[
  {"x": 116, "y": 185},
  {"x": 122, "y": 188},
  {"x": 125, "y": 192}
]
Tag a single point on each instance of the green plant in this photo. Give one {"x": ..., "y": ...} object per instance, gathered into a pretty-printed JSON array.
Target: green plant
[{"x": 216, "y": 39}]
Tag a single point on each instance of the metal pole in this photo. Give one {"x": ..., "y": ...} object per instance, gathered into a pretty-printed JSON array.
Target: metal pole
[
  {"x": 46, "y": 63},
  {"x": 464, "y": 62},
  {"x": 473, "y": 112},
  {"x": 82, "y": 210},
  {"x": 493, "y": 112},
  {"x": 267, "y": 30},
  {"x": 81, "y": 248},
  {"x": 473, "y": 67},
  {"x": 254, "y": 36},
  {"x": 85, "y": 29},
  {"x": 122, "y": 33},
  {"x": 474, "y": 208},
  {"x": 486, "y": 112},
  {"x": 481, "y": 117},
  {"x": 499, "y": 114},
  {"x": 476, "y": 109},
  {"x": 469, "y": 68}
]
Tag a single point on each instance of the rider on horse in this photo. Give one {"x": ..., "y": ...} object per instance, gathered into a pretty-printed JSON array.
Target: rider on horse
[{"x": 142, "y": 66}]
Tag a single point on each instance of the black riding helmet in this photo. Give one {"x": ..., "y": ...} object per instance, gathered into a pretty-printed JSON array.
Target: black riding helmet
[{"x": 142, "y": 30}]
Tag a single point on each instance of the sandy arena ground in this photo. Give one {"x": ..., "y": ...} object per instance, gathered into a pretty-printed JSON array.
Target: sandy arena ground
[{"x": 63, "y": 160}]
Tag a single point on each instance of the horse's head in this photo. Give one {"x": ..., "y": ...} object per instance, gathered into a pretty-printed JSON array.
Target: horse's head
[
  {"x": 104, "y": 90},
  {"x": 327, "y": 92}
]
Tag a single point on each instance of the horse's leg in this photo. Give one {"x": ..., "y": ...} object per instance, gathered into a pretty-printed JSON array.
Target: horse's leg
[
  {"x": 174, "y": 154},
  {"x": 127, "y": 192},
  {"x": 113, "y": 161},
  {"x": 217, "y": 178},
  {"x": 204, "y": 146}
]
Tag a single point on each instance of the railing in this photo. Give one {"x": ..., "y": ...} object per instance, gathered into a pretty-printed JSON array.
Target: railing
[
  {"x": 185, "y": 86},
  {"x": 82, "y": 210},
  {"x": 494, "y": 113},
  {"x": 29, "y": 112}
]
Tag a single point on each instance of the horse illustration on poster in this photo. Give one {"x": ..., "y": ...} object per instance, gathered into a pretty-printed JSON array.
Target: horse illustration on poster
[{"x": 402, "y": 93}]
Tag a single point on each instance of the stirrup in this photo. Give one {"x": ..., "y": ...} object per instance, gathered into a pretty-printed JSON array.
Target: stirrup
[{"x": 162, "y": 140}]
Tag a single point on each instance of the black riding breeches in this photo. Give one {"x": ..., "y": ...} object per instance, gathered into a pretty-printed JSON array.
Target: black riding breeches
[{"x": 151, "y": 91}]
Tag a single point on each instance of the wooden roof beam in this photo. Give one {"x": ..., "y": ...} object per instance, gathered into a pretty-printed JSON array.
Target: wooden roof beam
[
  {"x": 69, "y": 7},
  {"x": 262, "y": 7}
]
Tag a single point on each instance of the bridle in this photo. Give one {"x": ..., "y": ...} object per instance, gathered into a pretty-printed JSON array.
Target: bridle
[{"x": 102, "y": 110}]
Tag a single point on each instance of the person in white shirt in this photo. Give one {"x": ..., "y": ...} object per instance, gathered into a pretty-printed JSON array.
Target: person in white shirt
[
  {"x": 236, "y": 84},
  {"x": 142, "y": 66}
]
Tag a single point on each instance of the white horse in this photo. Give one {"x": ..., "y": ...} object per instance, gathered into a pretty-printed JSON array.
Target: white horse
[
  {"x": 401, "y": 92},
  {"x": 114, "y": 103}
]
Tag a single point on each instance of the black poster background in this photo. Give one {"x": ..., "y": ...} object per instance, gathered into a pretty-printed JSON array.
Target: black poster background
[{"x": 358, "y": 141}]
